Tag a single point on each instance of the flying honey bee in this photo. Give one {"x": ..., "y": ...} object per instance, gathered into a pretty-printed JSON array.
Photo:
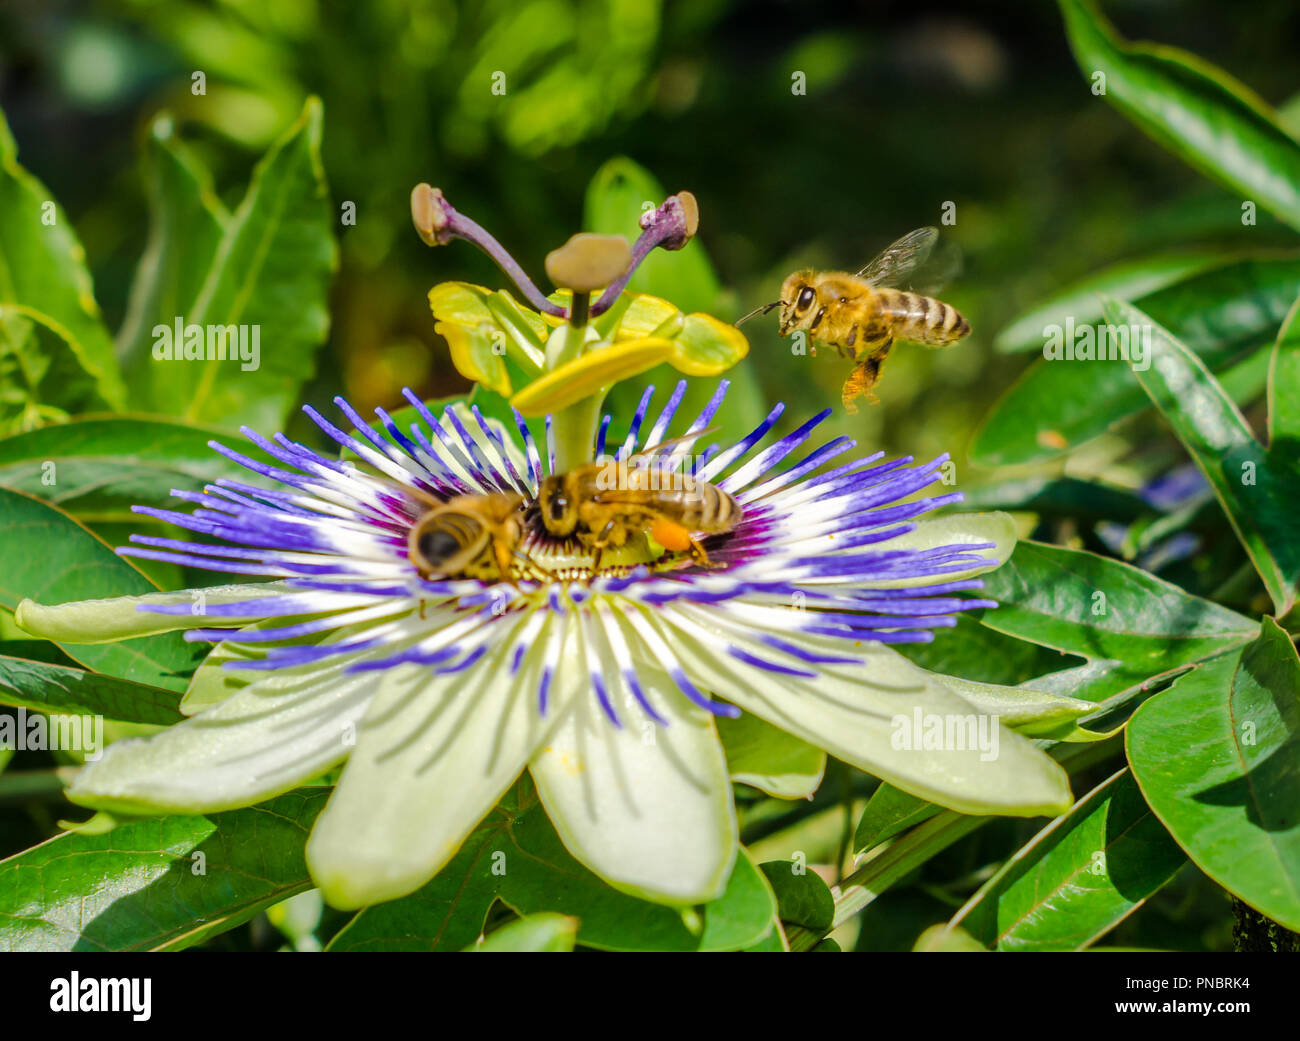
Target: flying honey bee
[
  {"x": 864, "y": 313},
  {"x": 469, "y": 536},
  {"x": 604, "y": 504}
]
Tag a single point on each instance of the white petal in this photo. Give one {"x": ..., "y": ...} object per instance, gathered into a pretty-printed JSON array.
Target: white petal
[
  {"x": 957, "y": 529},
  {"x": 855, "y": 711},
  {"x": 435, "y": 754},
  {"x": 647, "y": 807},
  {"x": 283, "y": 729},
  {"x": 119, "y": 617}
]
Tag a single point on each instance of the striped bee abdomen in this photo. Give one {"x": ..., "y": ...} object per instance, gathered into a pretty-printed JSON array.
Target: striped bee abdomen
[
  {"x": 922, "y": 319},
  {"x": 706, "y": 507}
]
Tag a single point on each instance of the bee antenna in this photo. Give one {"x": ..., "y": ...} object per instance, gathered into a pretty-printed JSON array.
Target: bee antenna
[{"x": 759, "y": 310}]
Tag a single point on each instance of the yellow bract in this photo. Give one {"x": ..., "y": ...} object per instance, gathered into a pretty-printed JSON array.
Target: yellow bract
[
  {"x": 571, "y": 382},
  {"x": 473, "y": 355},
  {"x": 483, "y": 327}
]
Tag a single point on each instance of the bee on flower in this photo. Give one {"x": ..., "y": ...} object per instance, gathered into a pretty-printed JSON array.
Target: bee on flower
[{"x": 441, "y": 607}]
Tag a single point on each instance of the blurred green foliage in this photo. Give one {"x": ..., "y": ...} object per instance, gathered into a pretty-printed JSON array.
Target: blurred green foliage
[
  {"x": 812, "y": 134},
  {"x": 906, "y": 107}
]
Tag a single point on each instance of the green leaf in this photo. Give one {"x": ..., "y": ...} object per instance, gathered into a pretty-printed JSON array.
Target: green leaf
[
  {"x": 977, "y": 652},
  {"x": 801, "y": 896},
  {"x": 1194, "y": 109},
  {"x": 535, "y": 932},
  {"x": 1078, "y": 877},
  {"x": 83, "y": 569},
  {"x": 98, "y": 469},
  {"x": 271, "y": 272},
  {"x": 44, "y": 279},
  {"x": 1057, "y": 405},
  {"x": 187, "y": 222},
  {"x": 1284, "y": 388},
  {"x": 889, "y": 812},
  {"x": 769, "y": 759},
  {"x": 1106, "y": 611},
  {"x": 1081, "y": 302},
  {"x": 516, "y": 856},
  {"x": 57, "y": 688},
  {"x": 1216, "y": 757},
  {"x": 1085, "y": 501},
  {"x": 156, "y": 884},
  {"x": 1259, "y": 490}
]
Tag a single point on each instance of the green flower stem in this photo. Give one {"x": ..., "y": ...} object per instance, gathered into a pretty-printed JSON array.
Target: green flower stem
[
  {"x": 575, "y": 431},
  {"x": 574, "y": 428}
]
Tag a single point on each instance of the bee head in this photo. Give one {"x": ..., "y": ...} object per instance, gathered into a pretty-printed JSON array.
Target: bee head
[
  {"x": 558, "y": 508},
  {"x": 445, "y": 542},
  {"x": 798, "y": 298}
]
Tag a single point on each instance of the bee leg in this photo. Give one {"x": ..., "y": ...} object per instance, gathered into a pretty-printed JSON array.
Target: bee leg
[
  {"x": 860, "y": 382},
  {"x": 422, "y": 609},
  {"x": 519, "y": 554},
  {"x": 701, "y": 557},
  {"x": 598, "y": 545}
]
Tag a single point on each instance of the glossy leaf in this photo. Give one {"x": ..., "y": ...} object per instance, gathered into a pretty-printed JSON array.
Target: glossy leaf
[
  {"x": 1078, "y": 878},
  {"x": 186, "y": 225},
  {"x": 1087, "y": 501},
  {"x": 44, "y": 280},
  {"x": 1081, "y": 301},
  {"x": 84, "y": 569},
  {"x": 1105, "y": 610},
  {"x": 802, "y": 898},
  {"x": 1057, "y": 405},
  {"x": 1257, "y": 489},
  {"x": 889, "y": 812},
  {"x": 57, "y": 688},
  {"x": 1284, "y": 388},
  {"x": 535, "y": 932},
  {"x": 1217, "y": 756},
  {"x": 271, "y": 271},
  {"x": 162, "y": 883},
  {"x": 98, "y": 469},
  {"x": 769, "y": 759},
  {"x": 1197, "y": 111}
]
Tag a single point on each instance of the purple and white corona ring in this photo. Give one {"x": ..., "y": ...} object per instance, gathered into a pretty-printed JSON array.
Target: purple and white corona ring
[{"x": 634, "y": 696}]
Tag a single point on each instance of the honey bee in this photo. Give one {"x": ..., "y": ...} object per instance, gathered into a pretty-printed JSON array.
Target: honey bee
[
  {"x": 604, "y": 504},
  {"x": 864, "y": 313},
  {"x": 469, "y": 536}
]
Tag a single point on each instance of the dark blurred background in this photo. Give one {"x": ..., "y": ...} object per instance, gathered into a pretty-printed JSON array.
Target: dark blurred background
[{"x": 908, "y": 105}]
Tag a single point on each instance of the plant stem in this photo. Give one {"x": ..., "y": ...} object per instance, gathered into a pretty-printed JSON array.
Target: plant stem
[
  {"x": 574, "y": 428},
  {"x": 35, "y": 784}
]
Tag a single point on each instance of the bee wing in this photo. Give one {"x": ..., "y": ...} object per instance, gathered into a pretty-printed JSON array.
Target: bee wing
[
  {"x": 912, "y": 263},
  {"x": 672, "y": 442}
]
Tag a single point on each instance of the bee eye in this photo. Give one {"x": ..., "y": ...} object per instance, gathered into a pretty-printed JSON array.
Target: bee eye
[
  {"x": 806, "y": 297},
  {"x": 437, "y": 545},
  {"x": 558, "y": 505}
]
